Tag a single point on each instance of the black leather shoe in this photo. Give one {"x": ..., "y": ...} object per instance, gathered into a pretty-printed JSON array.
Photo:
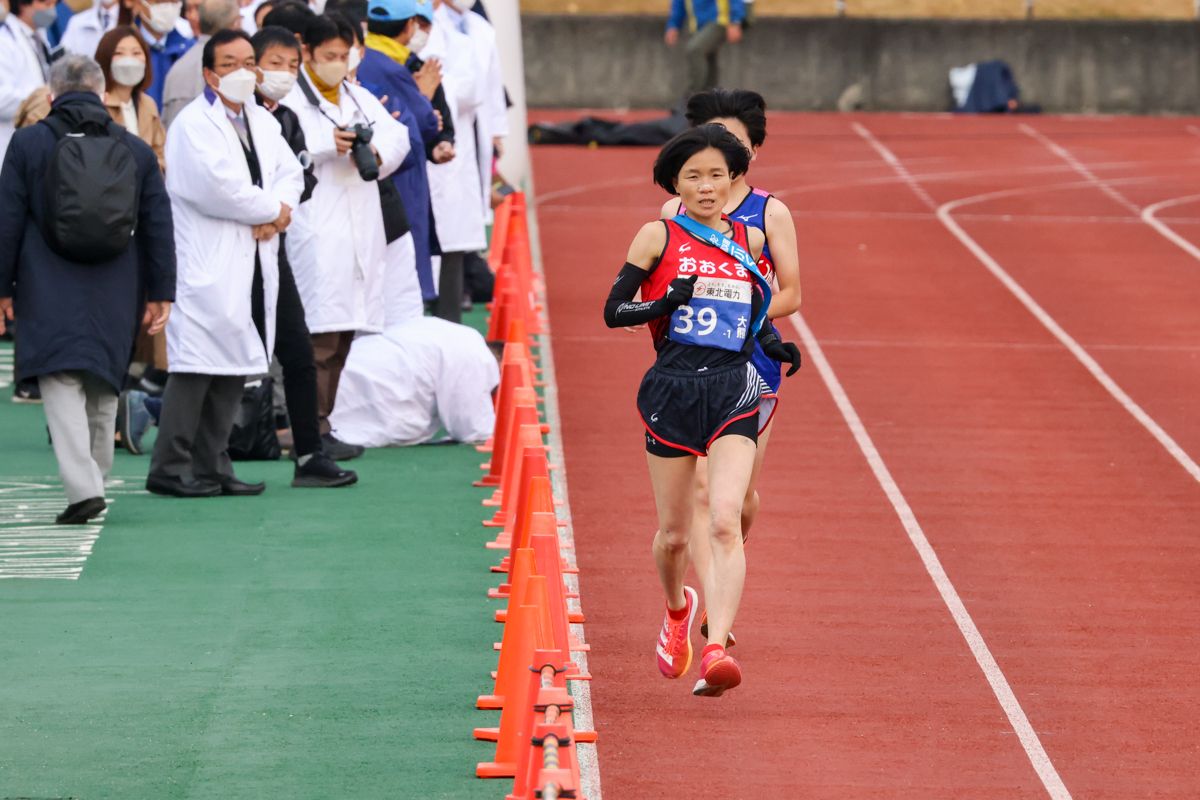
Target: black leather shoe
[
  {"x": 232, "y": 487},
  {"x": 322, "y": 472},
  {"x": 81, "y": 512},
  {"x": 338, "y": 450},
  {"x": 181, "y": 487}
]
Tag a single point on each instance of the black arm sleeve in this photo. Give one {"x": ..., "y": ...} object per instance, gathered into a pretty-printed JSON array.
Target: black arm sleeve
[{"x": 620, "y": 311}]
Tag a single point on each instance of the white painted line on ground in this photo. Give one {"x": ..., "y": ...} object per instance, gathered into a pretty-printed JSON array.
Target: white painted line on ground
[
  {"x": 945, "y": 214},
  {"x": 31, "y": 545},
  {"x": 1146, "y": 215},
  {"x": 962, "y": 618},
  {"x": 584, "y": 719},
  {"x": 1149, "y": 216},
  {"x": 1079, "y": 167}
]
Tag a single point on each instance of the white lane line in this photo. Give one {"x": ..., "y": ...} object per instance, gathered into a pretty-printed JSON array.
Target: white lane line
[
  {"x": 1079, "y": 167},
  {"x": 581, "y": 692},
  {"x": 962, "y": 618},
  {"x": 945, "y": 214},
  {"x": 1146, "y": 215},
  {"x": 1149, "y": 217}
]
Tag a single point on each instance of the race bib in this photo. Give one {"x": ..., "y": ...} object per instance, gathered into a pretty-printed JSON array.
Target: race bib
[{"x": 719, "y": 315}]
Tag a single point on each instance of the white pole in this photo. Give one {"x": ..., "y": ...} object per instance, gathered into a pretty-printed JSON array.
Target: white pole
[{"x": 506, "y": 18}]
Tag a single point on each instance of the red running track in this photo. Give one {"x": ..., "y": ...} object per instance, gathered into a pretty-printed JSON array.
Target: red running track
[{"x": 1071, "y": 533}]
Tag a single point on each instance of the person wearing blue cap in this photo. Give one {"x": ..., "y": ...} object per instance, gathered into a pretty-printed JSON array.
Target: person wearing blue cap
[{"x": 393, "y": 29}]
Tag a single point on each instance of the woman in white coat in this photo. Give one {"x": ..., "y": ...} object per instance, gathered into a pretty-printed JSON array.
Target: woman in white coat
[
  {"x": 458, "y": 209},
  {"x": 337, "y": 245},
  {"x": 233, "y": 181},
  {"x": 24, "y": 57}
]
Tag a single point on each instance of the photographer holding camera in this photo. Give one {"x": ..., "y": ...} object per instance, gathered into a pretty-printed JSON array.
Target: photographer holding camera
[{"x": 337, "y": 241}]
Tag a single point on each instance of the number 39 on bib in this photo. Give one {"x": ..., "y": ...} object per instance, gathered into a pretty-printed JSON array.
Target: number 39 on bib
[{"x": 717, "y": 316}]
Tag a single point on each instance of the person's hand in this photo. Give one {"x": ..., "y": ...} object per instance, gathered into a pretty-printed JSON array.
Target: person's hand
[
  {"x": 264, "y": 232},
  {"x": 429, "y": 77},
  {"x": 443, "y": 152},
  {"x": 6, "y": 312},
  {"x": 383, "y": 102},
  {"x": 733, "y": 34},
  {"x": 441, "y": 122},
  {"x": 634, "y": 328},
  {"x": 284, "y": 219},
  {"x": 498, "y": 145},
  {"x": 671, "y": 37},
  {"x": 783, "y": 352},
  {"x": 342, "y": 140},
  {"x": 680, "y": 291},
  {"x": 154, "y": 320}
]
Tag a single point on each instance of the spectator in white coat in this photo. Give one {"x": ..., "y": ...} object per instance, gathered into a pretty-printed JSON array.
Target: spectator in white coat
[
  {"x": 337, "y": 246},
  {"x": 85, "y": 28},
  {"x": 454, "y": 187},
  {"x": 492, "y": 127},
  {"x": 24, "y": 58},
  {"x": 233, "y": 182}
]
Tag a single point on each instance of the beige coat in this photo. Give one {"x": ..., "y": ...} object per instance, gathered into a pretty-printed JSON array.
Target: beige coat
[{"x": 150, "y": 126}]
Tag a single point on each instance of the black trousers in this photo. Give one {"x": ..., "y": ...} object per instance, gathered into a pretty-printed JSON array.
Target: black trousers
[
  {"x": 293, "y": 348},
  {"x": 450, "y": 288}
]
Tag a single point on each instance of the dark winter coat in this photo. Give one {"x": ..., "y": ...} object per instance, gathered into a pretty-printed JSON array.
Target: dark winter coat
[{"x": 73, "y": 316}]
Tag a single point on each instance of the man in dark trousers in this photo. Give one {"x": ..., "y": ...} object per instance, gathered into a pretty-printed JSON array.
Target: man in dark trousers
[{"x": 79, "y": 315}]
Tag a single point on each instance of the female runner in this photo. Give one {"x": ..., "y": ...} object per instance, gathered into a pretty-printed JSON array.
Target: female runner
[
  {"x": 702, "y": 299},
  {"x": 744, "y": 114}
]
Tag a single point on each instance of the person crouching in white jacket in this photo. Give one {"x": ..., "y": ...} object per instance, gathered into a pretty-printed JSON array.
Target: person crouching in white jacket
[
  {"x": 337, "y": 246},
  {"x": 233, "y": 182}
]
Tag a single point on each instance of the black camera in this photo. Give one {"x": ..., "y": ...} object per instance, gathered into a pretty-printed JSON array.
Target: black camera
[{"x": 362, "y": 154}]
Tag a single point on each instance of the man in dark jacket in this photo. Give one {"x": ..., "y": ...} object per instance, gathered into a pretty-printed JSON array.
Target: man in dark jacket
[{"x": 78, "y": 320}]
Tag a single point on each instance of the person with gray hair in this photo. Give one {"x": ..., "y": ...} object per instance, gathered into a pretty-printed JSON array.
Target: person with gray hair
[
  {"x": 87, "y": 255},
  {"x": 185, "y": 81}
]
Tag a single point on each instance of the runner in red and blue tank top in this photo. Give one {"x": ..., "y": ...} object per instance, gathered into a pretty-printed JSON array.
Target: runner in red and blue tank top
[
  {"x": 743, "y": 113},
  {"x": 703, "y": 301}
]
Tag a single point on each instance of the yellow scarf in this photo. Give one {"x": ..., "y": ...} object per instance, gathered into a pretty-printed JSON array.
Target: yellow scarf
[
  {"x": 389, "y": 47},
  {"x": 330, "y": 93}
]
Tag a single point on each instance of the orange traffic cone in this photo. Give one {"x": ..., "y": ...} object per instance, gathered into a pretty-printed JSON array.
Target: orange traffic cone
[
  {"x": 528, "y": 437},
  {"x": 523, "y": 412},
  {"x": 516, "y": 720},
  {"x": 517, "y": 635},
  {"x": 517, "y": 523}
]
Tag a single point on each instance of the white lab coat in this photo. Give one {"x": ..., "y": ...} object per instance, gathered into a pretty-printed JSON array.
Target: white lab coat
[
  {"x": 454, "y": 187},
  {"x": 20, "y": 72},
  {"x": 401, "y": 287},
  {"x": 84, "y": 30},
  {"x": 404, "y": 385},
  {"x": 337, "y": 244},
  {"x": 493, "y": 116},
  {"x": 215, "y": 204}
]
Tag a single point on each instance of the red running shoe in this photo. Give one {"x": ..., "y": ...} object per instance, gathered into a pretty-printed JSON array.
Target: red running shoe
[
  {"x": 721, "y": 672},
  {"x": 674, "y": 647}
]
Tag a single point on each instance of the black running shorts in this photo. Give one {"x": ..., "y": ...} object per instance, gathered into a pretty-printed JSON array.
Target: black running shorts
[{"x": 685, "y": 411}]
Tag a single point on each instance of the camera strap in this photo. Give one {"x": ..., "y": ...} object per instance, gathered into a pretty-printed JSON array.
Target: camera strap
[{"x": 310, "y": 95}]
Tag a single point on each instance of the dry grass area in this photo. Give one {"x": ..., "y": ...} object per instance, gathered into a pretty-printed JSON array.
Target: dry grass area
[{"x": 992, "y": 9}]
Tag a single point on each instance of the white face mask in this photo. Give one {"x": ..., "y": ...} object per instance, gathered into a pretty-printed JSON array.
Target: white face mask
[
  {"x": 276, "y": 84},
  {"x": 163, "y": 16},
  {"x": 44, "y": 17},
  {"x": 354, "y": 60},
  {"x": 128, "y": 71},
  {"x": 331, "y": 73},
  {"x": 419, "y": 39},
  {"x": 238, "y": 86}
]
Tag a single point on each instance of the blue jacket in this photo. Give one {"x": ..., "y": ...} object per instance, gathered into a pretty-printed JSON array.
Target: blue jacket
[
  {"x": 701, "y": 12},
  {"x": 382, "y": 76},
  {"x": 79, "y": 316},
  {"x": 163, "y": 55}
]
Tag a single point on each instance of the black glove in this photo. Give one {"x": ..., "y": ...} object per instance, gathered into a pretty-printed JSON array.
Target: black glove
[
  {"x": 783, "y": 352},
  {"x": 679, "y": 292}
]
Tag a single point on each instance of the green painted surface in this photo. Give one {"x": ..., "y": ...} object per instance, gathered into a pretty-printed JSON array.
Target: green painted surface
[{"x": 302, "y": 644}]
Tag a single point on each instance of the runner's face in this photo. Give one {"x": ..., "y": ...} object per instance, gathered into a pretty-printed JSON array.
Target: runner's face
[
  {"x": 703, "y": 183},
  {"x": 735, "y": 126}
]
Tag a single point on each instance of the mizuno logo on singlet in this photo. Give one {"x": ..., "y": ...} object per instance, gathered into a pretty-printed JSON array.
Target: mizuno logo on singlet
[
  {"x": 746, "y": 217},
  {"x": 683, "y": 248}
]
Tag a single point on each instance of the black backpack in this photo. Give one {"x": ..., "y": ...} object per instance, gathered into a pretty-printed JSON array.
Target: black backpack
[{"x": 91, "y": 201}]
